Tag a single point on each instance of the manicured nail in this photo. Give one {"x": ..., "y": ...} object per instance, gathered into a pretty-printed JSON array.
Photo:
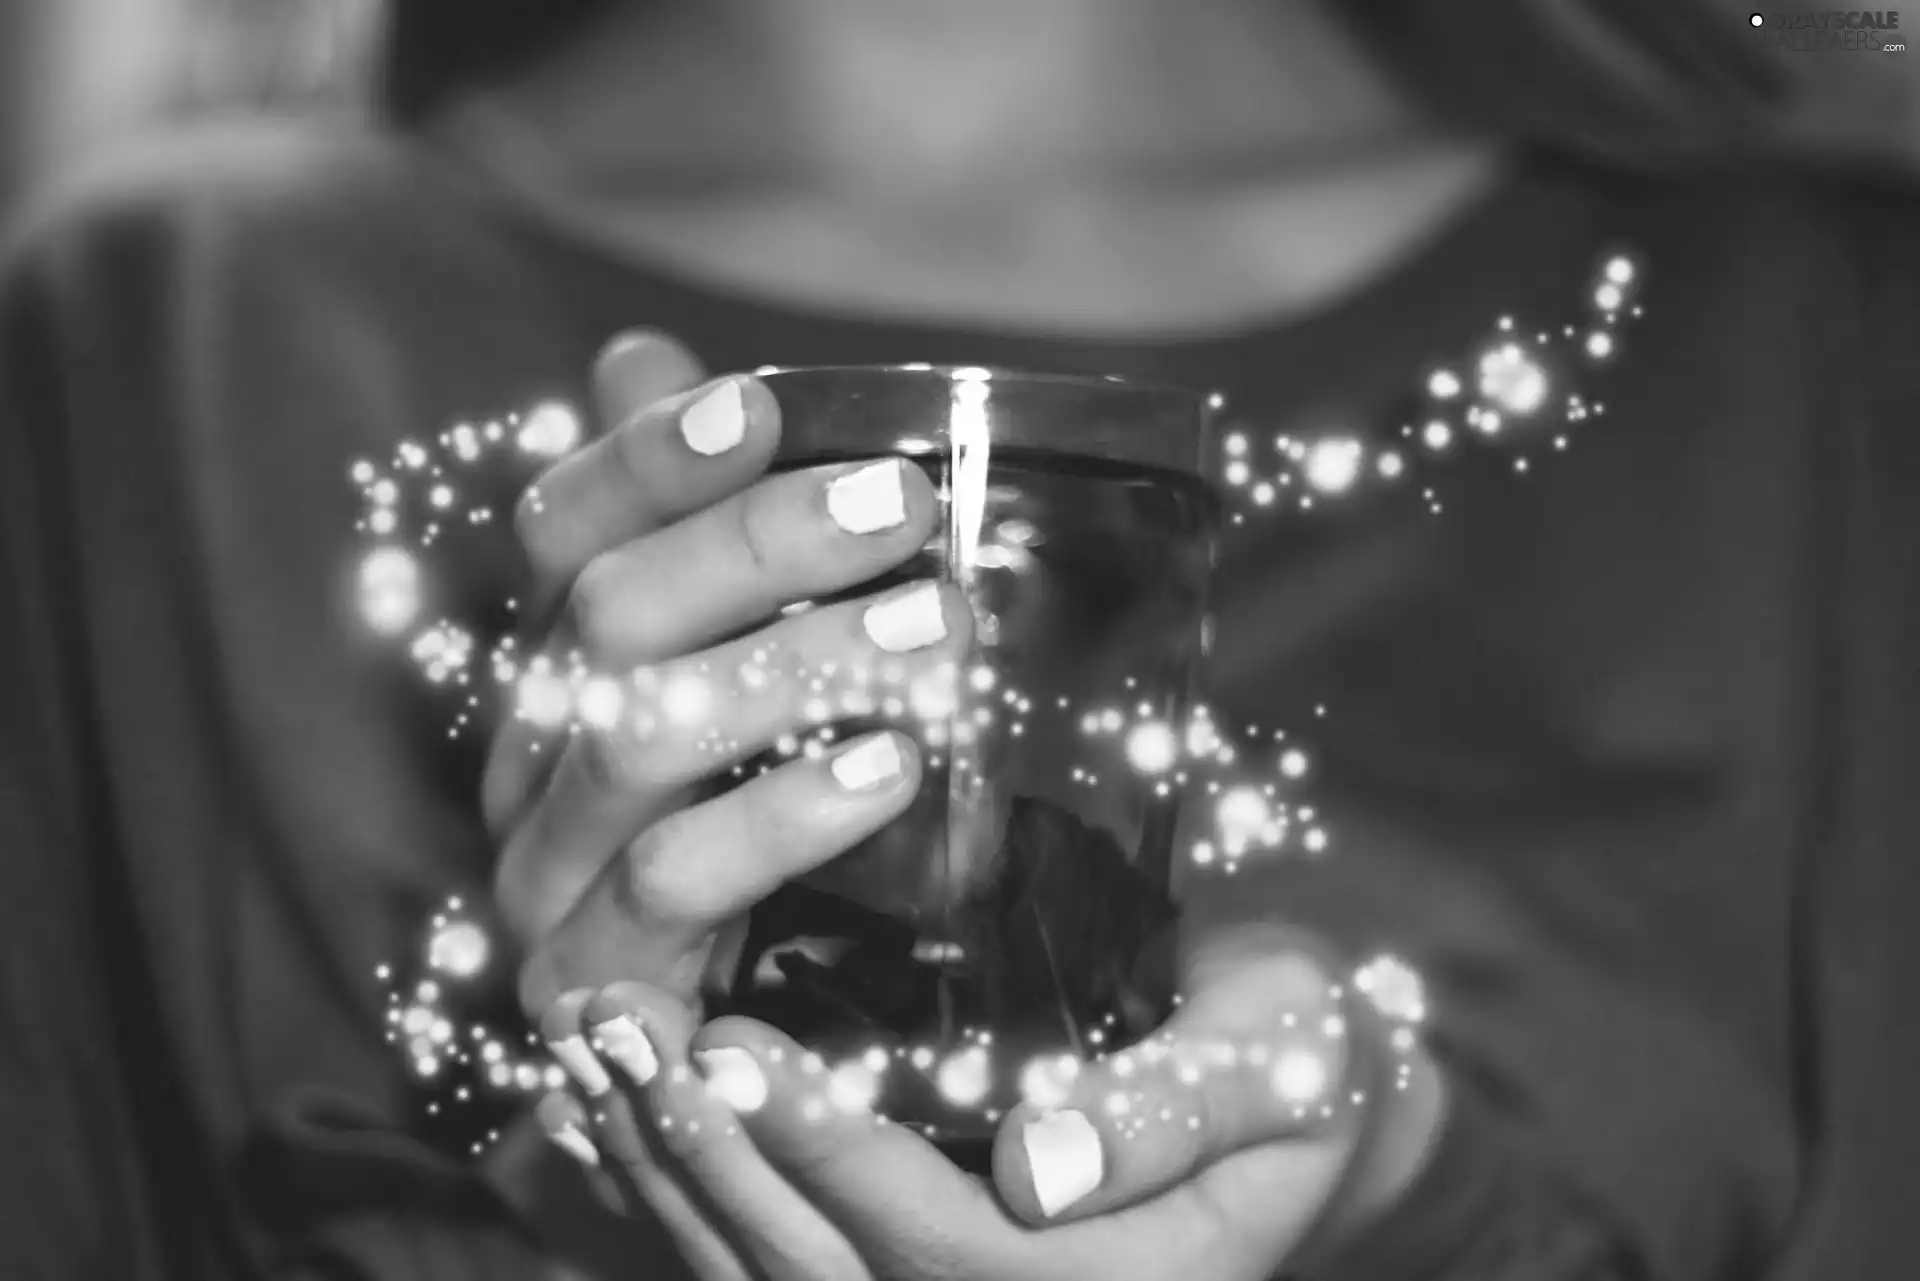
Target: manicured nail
[
  {"x": 870, "y": 499},
  {"x": 734, "y": 1077},
  {"x": 572, "y": 1140},
  {"x": 1063, "y": 1151},
  {"x": 716, "y": 422},
  {"x": 624, "y": 1041},
  {"x": 869, "y": 762},
  {"x": 559, "y": 1119},
  {"x": 909, "y": 620},
  {"x": 577, "y": 1057}
]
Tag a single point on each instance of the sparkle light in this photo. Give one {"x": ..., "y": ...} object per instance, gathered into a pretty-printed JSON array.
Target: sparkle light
[
  {"x": 1301, "y": 1076},
  {"x": 965, "y": 1077},
  {"x": 550, "y": 430},
  {"x": 459, "y": 949},
  {"x": 1334, "y": 464},
  {"x": 1513, "y": 379},
  {"x": 389, "y": 590},
  {"x": 1152, "y": 747},
  {"x": 1243, "y": 786}
]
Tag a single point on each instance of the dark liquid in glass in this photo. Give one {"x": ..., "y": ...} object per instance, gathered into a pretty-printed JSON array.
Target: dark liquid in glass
[{"x": 1022, "y": 907}]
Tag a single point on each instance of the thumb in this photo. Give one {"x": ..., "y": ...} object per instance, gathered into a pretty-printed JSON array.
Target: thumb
[{"x": 1261, "y": 1049}]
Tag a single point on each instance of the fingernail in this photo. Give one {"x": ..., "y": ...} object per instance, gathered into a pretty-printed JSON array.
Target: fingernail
[
  {"x": 733, "y": 1077},
  {"x": 909, "y": 620},
  {"x": 870, "y": 499},
  {"x": 624, "y": 1041},
  {"x": 1063, "y": 1151},
  {"x": 716, "y": 422},
  {"x": 868, "y": 763},
  {"x": 577, "y": 1057},
  {"x": 572, "y": 1140}
]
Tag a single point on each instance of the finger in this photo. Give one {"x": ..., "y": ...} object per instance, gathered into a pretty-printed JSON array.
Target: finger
[
  {"x": 1269, "y": 1200},
  {"x": 1258, "y": 1057},
  {"x": 639, "y": 477},
  {"x": 905, "y": 1207},
  {"x": 654, "y": 909},
  {"x": 684, "y": 1125},
  {"x": 626, "y": 480},
  {"x": 788, "y": 538},
  {"x": 679, "y": 723},
  {"x": 605, "y": 1132}
]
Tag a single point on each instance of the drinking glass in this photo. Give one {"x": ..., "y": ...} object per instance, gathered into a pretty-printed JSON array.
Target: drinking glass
[{"x": 1018, "y": 917}]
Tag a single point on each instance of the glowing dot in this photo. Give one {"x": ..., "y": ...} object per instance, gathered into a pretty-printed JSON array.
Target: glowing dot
[
  {"x": 1333, "y": 464},
  {"x": 1391, "y": 465},
  {"x": 853, "y": 1087},
  {"x": 1235, "y": 445},
  {"x": 933, "y": 696},
  {"x": 1599, "y": 344},
  {"x": 459, "y": 949},
  {"x": 965, "y": 1077},
  {"x": 685, "y": 699},
  {"x": 549, "y": 430},
  {"x": 541, "y": 695},
  {"x": 1242, "y": 814},
  {"x": 1046, "y": 1082},
  {"x": 601, "y": 702},
  {"x": 1394, "y": 988},
  {"x": 1608, "y": 297},
  {"x": 1513, "y": 379},
  {"x": 1293, "y": 762},
  {"x": 1238, "y": 473},
  {"x": 1300, "y": 1077},
  {"x": 389, "y": 589},
  {"x": 1152, "y": 747},
  {"x": 1437, "y": 435},
  {"x": 1443, "y": 385},
  {"x": 1619, "y": 270}
]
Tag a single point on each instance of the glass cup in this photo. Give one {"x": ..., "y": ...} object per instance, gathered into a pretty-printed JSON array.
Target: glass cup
[{"x": 1019, "y": 916}]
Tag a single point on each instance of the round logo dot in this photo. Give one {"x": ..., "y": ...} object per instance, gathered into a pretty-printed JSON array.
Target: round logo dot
[{"x": 1756, "y": 20}]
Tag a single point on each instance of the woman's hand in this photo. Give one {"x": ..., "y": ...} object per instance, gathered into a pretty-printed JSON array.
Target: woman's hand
[
  {"x": 1271, "y": 1110},
  {"x": 658, "y": 546}
]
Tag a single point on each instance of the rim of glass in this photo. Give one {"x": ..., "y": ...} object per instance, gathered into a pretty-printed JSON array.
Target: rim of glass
[{"x": 1003, "y": 374}]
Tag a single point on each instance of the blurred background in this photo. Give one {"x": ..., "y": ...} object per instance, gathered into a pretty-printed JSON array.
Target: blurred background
[{"x": 82, "y": 77}]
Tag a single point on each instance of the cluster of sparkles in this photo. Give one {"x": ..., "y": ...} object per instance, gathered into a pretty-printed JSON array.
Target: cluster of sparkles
[
  {"x": 1247, "y": 780},
  {"x": 1514, "y": 391},
  {"x": 1518, "y": 391},
  {"x": 419, "y": 496},
  {"x": 463, "y": 1059},
  {"x": 1139, "y": 1086}
]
